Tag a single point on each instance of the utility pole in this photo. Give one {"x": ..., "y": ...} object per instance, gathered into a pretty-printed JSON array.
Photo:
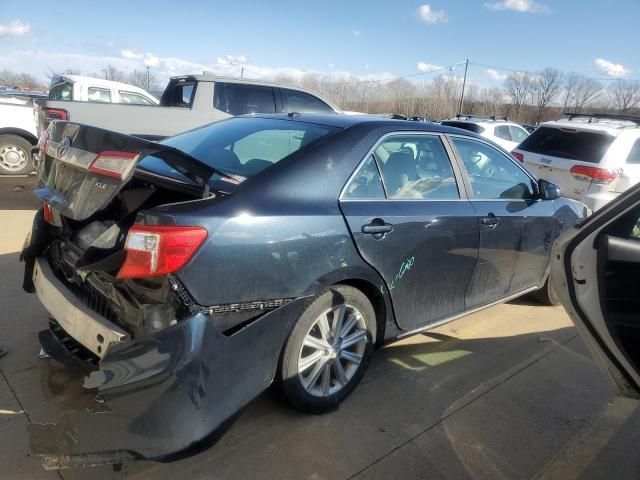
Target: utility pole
[
  {"x": 106, "y": 77},
  {"x": 148, "y": 77},
  {"x": 464, "y": 83},
  {"x": 242, "y": 72}
]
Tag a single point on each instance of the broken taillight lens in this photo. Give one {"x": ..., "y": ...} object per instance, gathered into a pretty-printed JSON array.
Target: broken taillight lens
[
  {"x": 55, "y": 114},
  {"x": 159, "y": 250},
  {"x": 47, "y": 213},
  {"x": 114, "y": 164},
  {"x": 593, "y": 174}
]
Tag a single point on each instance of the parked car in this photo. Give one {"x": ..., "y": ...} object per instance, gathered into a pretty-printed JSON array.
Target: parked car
[
  {"x": 596, "y": 267},
  {"x": 190, "y": 274},
  {"x": 17, "y": 131},
  {"x": 187, "y": 102},
  {"x": 593, "y": 158},
  {"x": 497, "y": 129},
  {"x": 90, "y": 89}
]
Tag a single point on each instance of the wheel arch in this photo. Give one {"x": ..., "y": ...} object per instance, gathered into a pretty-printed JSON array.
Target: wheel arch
[{"x": 30, "y": 137}]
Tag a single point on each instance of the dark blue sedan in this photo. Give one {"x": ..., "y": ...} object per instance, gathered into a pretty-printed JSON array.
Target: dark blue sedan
[{"x": 191, "y": 274}]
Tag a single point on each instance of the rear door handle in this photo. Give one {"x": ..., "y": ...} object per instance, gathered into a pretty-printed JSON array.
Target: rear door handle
[
  {"x": 377, "y": 227},
  {"x": 490, "y": 221}
]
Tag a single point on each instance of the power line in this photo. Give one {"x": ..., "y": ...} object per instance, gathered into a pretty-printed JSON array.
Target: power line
[{"x": 564, "y": 75}]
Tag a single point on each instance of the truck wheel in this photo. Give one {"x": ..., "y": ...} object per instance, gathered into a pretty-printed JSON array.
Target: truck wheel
[
  {"x": 328, "y": 350},
  {"x": 15, "y": 155}
]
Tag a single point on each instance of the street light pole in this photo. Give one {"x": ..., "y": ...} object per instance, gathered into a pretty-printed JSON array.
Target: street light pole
[
  {"x": 464, "y": 83},
  {"x": 148, "y": 82}
]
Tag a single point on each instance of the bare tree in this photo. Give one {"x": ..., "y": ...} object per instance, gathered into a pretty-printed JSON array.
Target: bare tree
[
  {"x": 143, "y": 79},
  {"x": 626, "y": 95},
  {"x": 519, "y": 87},
  {"x": 581, "y": 92},
  {"x": 545, "y": 88},
  {"x": 20, "y": 80}
]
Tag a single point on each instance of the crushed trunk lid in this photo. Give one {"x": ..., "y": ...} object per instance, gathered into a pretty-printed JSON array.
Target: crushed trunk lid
[{"x": 69, "y": 180}]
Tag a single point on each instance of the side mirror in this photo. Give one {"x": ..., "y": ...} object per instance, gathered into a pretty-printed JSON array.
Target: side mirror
[{"x": 548, "y": 190}]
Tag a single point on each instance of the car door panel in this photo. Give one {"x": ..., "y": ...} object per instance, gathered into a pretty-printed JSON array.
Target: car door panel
[
  {"x": 427, "y": 259},
  {"x": 516, "y": 229},
  {"x": 595, "y": 271}
]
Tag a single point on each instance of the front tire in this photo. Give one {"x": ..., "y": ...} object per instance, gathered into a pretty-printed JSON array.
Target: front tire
[
  {"x": 15, "y": 155},
  {"x": 328, "y": 350}
]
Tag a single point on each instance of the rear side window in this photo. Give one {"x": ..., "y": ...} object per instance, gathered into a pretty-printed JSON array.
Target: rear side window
[
  {"x": 134, "y": 98},
  {"x": 179, "y": 94},
  {"x": 301, "y": 102},
  {"x": 568, "y": 143},
  {"x": 503, "y": 132},
  {"x": 634, "y": 154},
  {"x": 61, "y": 91},
  {"x": 96, "y": 94},
  {"x": 517, "y": 134},
  {"x": 240, "y": 99},
  {"x": 472, "y": 127},
  {"x": 366, "y": 184}
]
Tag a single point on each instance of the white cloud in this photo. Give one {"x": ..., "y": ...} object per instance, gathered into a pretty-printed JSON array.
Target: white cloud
[
  {"x": 495, "y": 75},
  {"x": 357, "y": 33},
  {"x": 429, "y": 15},
  {"x": 231, "y": 60},
  {"x": 130, "y": 54},
  {"x": 526, "y": 6},
  {"x": 611, "y": 69},
  {"x": 16, "y": 28},
  {"x": 428, "y": 67},
  {"x": 331, "y": 65}
]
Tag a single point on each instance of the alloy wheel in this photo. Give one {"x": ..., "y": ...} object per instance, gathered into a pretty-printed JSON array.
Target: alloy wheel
[{"x": 332, "y": 350}]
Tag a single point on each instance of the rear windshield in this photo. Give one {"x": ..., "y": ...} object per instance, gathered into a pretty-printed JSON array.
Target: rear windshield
[
  {"x": 472, "y": 127},
  {"x": 568, "y": 143},
  {"x": 243, "y": 147},
  {"x": 61, "y": 91}
]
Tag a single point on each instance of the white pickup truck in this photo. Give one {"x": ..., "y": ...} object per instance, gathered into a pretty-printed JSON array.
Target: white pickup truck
[{"x": 18, "y": 121}]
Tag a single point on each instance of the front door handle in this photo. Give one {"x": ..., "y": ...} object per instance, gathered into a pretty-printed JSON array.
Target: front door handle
[
  {"x": 490, "y": 221},
  {"x": 377, "y": 228}
]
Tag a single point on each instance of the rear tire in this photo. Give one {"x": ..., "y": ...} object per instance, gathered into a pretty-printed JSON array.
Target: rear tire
[
  {"x": 15, "y": 155},
  {"x": 547, "y": 294},
  {"x": 328, "y": 350}
]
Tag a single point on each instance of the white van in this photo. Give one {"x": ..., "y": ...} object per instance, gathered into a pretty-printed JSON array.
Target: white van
[{"x": 89, "y": 89}]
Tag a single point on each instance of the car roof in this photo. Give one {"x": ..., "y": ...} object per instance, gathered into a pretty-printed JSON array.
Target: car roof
[
  {"x": 99, "y": 82},
  {"x": 346, "y": 121},
  {"x": 483, "y": 121},
  {"x": 610, "y": 125}
]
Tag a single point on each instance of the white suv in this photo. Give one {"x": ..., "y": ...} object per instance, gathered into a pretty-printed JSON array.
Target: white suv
[
  {"x": 497, "y": 129},
  {"x": 592, "y": 158}
]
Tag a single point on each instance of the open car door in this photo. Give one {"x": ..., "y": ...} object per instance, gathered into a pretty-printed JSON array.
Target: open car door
[{"x": 596, "y": 273}]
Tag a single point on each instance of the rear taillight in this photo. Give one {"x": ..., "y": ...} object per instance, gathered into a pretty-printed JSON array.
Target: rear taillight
[
  {"x": 159, "y": 250},
  {"x": 593, "y": 174},
  {"x": 47, "y": 212},
  {"x": 518, "y": 156},
  {"x": 55, "y": 114},
  {"x": 114, "y": 164}
]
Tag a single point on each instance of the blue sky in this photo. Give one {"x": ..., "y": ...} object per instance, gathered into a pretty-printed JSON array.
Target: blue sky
[{"x": 370, "y": 39}]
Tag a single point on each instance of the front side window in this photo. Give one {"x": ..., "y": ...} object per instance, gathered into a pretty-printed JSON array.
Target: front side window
[
  {"x": 134, "y": 98},
  {"x": 502, "y": 132},
  {"x": 96, "y": 94},
  {"x": 366, "y": 184},
  {"x": 517, "y": 134},
  {"x": 301, "y": 102},
  {"x": 493, "y": 175},
  {"x": 416, "y": 167},
  {"x": 240, "y": 99}
]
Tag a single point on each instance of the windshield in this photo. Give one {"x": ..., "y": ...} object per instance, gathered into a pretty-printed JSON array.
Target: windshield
[
  {"x": 243, "y": 147},
  {"x": 61, "y": 91}
]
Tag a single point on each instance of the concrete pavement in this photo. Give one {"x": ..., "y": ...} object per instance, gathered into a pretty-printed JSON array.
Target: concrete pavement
[{"x": 507, "y": 393}]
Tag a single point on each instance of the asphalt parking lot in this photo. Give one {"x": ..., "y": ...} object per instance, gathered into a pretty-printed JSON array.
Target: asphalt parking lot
[{"x": 510, "y": 392}]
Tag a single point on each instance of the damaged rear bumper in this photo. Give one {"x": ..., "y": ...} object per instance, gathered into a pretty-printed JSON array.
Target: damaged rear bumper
[{"x": 168, "y": 391}]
